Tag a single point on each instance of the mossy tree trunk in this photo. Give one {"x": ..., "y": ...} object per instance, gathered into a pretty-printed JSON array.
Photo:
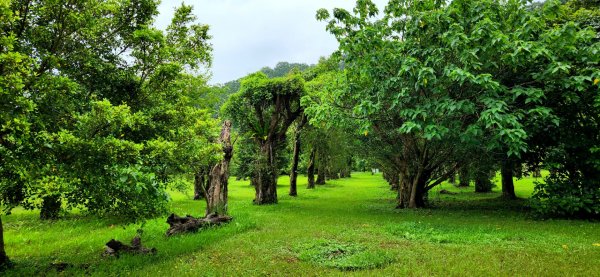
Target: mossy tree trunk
[
  {"x": 265, "y": 179},
  {"x": 216, "y": 192}
]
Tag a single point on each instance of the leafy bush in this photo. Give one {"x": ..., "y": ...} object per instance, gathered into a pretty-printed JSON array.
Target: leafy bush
[{"x": 567, "y": 197}]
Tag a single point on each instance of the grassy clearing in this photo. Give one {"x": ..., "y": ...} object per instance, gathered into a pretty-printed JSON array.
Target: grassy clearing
[{"x": 347, "y": 227}]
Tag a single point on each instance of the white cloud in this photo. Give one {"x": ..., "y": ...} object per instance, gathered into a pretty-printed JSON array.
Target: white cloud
[{"x": 250, "y": 34}]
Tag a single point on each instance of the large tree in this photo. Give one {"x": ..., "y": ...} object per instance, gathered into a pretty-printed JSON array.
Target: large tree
[
  {"x": 117, "y": 114},
  {"x": 263, "y": 109},
  {"x": 15, "y": 108},
  {"x": 429, "y": 78}
]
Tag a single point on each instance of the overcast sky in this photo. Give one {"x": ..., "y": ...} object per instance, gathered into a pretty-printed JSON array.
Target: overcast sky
[{"x": 250, "y": 34}]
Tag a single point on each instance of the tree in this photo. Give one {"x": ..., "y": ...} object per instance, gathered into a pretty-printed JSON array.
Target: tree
[
  {"x": 15, "y": 109},
  {"x": 429, "y": 78},
  {"x": 263, "y": 109},
  {"x": 216, "y": 191},
  {"x": 116, "y": 116}
]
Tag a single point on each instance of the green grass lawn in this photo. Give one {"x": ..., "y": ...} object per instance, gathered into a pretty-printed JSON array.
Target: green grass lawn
[{"x": 347, "y": 227}]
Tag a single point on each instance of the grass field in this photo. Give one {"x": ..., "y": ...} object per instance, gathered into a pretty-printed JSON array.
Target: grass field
[{"x": 347, "y": 227}]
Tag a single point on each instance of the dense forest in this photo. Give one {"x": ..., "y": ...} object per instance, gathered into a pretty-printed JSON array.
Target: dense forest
[{"x": 107, "y": 117}]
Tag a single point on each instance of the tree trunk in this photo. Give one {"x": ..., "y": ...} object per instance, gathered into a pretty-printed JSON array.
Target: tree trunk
[
  {"x": 4, "y": 261},
  {"x": 295, "y": 159},
  {"x": 482, "y": 182},
  {"x": 50, "y": 207},
  {"x": 332, "y": 175},
  {"x": 321, "y": 173},
  {"x": 199, "y": 185},
  {"x": 463, "y": 177},
  {"x": 508, "y": 187},
  {"x": 265, "y": 179},
  {"x": 393, "y": 179},
  {"x": 216, "y": 192},
  {"x": 310, "y": 170},
  {"x": 413, "y": 192},
  {"x": 404, "y": 189}
]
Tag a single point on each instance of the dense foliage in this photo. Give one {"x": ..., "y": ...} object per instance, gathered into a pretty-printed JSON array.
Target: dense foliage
[
  {"x": 431, "y": 80},
  {"x": 117, "y": 109},
  {"x": 263, "y": 109}
]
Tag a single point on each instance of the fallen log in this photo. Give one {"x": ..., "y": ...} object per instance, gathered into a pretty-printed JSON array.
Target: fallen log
[
  {"x": 190, "y": 224},
  {"x": 115, "y": 247},
  {"x": 448, "y": 192}
]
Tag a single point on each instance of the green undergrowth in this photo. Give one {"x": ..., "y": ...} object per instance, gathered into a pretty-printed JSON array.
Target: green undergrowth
[
  {"x": 343, "y": 256},
  {"x": 347, "y": 227}
]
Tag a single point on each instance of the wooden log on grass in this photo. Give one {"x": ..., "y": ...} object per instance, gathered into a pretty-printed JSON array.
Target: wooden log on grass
[
  {"x": 115, "y": 247},
  {"x": 190, "y": 224}
]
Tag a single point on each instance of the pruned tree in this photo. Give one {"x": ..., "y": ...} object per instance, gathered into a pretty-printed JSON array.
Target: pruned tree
[
  {"x": 263, "y": 109},
  {"x": 215, "y": 192}
]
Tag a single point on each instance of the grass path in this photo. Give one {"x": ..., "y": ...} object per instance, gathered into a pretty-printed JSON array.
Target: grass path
[{"x": 464, "y": 234}]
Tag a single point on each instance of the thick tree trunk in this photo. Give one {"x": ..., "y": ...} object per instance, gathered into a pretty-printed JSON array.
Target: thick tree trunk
[
  {"x": 216, "y": 192},
  {"x": 265, "y": 180},
  {"x": 508, "y": 186},
  {"x": 414, "y": 191},
  {"x": 4, "y": 261},
  {"x": 295, "y": 160},
  {"x": 199, "y": 183},
  {"x": 310, "y": 170},
  {"x": 321, "y": 173},
  {"x": 50, "y": 207}
]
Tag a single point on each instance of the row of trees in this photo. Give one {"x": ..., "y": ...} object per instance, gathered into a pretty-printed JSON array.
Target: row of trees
[{"x": 475, "y": 85}]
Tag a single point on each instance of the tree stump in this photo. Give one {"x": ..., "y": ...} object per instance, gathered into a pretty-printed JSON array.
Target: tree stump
[{"x": 115, "y": 247}]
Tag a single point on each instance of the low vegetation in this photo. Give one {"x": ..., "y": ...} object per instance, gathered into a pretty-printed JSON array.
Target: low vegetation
[{"x": 347, "y": 226}]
